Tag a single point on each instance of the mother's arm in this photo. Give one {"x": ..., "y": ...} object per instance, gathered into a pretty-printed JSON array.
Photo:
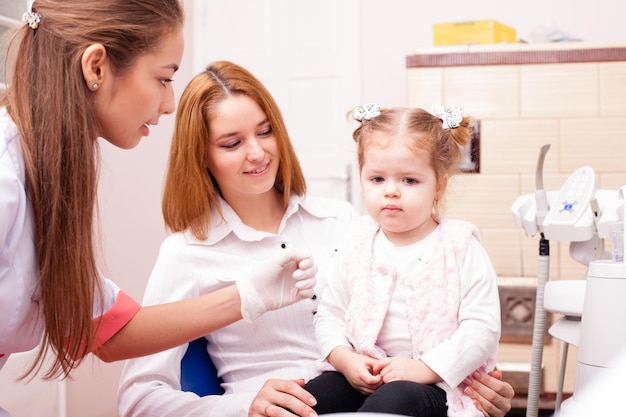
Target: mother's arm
[
  {"x": 150, "y": 386},
  {"x": 282, "y": 398}
]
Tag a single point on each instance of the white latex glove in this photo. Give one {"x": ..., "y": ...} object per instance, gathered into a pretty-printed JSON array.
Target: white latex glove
[{"x": 283, "y": 280}]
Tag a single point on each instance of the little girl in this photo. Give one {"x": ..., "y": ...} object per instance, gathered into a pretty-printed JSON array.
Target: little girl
[{"x": 413, "y": 306}]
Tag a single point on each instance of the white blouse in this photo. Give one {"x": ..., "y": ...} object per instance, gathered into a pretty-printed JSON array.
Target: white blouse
[
  {"x": 21, "y": 318},
  {"x": 279, "y": 344},
  {"x": 21, "y": 326}
]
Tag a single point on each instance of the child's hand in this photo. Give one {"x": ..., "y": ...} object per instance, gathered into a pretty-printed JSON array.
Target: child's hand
[
  {"x": 405, "y": 369},
  {"x": 358, "y": 369},
  {"x": 361, "y": 376}
]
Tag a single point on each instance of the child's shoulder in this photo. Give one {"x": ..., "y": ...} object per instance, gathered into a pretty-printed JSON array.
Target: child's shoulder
[
  {"x": 448, "y": 222},
  {"x": 458, "y": 227}
]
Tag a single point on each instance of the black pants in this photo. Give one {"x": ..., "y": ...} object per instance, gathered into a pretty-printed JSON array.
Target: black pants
[{"x": 334, "y": 394}]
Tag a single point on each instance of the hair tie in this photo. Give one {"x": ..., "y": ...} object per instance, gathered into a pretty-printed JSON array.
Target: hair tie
[
  {"x": 32, "y": 18},
  {"x": 366, "y": 112},
  {"x": 451, "y": 116}
]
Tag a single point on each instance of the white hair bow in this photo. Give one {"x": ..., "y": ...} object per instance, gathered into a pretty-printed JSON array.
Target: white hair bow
[
  {"x": 451, "y": 116},
  {"x": 32, "y": 19},
  {"x": 366, "y": 112}
]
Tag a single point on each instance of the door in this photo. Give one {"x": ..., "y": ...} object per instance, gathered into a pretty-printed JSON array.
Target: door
[{"x": 308, "y": 55}]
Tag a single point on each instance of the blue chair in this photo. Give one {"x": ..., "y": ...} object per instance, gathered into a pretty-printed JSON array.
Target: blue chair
[{"x": 197, "y": 372}]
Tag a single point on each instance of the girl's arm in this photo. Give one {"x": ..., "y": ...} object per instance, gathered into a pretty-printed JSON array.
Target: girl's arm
[
  {"x": 477, "y": 337},
  {"x": 329, "y": 319}
]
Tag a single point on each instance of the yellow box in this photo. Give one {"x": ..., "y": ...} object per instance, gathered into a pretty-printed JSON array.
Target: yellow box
[{"x": 473, "y": 32}]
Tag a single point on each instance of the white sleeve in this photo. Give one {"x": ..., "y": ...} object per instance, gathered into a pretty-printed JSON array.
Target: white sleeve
[
  {"x": 12, "y": 218},
  {"x": 330, "y": 316},
  {"x": 479, "y": 321},
  {"x": 109, "y": 293},
  {"x": 12, "y": 210},
  {"x": 150, "y": 385}
]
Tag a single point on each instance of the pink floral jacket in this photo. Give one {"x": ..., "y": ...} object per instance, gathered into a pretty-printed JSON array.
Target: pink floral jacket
[{"x": 433, "y": 299}]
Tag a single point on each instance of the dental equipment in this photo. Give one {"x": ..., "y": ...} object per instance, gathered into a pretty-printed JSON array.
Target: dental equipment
[
  {"x": 542, "y": 210},
  {"x": 602, "y": 334},
  {"x": 583, "y": 215}
]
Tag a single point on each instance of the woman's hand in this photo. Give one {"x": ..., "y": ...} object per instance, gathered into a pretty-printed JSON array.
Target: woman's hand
[
  {"x": 278, "y": 282},
  {"x": 282, "y": 398},
  {"x": 491, "y": 395}
]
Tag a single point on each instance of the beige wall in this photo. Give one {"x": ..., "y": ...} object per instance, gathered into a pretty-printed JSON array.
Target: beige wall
[{"x": 579, "y": 109}]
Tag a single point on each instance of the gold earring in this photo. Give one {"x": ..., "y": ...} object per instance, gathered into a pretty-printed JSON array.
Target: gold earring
[{"x": 95, "y": 86}]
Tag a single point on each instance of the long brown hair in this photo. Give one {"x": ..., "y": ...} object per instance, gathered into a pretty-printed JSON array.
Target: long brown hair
[
  {"x": 51, "y": 105},
  {"x": 190, "y": 191}
]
